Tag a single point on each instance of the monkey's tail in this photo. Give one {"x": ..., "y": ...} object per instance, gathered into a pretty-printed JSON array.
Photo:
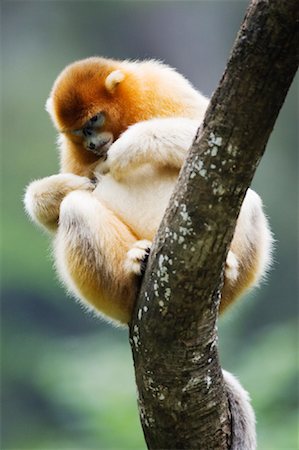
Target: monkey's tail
[{"x": 243, "y": 433}]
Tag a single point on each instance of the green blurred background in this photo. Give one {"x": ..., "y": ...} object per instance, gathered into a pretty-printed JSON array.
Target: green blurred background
[{"x": 67, "y": 378}]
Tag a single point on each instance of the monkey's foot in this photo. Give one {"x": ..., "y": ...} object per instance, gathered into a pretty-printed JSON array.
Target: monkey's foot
[
  {"x": 137, "y": 257},
  {"x": 231, "y": 267}
]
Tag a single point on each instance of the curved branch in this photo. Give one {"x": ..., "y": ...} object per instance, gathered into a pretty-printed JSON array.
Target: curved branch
[{"x": 182, "y": 398}]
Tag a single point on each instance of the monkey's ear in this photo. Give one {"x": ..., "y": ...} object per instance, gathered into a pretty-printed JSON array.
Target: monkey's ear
[
  {"x": 49, "y": 106},
  {"x": 113, "y": 80}
]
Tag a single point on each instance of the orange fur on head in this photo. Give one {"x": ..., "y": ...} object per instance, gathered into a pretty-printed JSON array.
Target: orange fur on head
[
  {"x": 84, "y": 89},
  {"x": 126, "y": 92},
  {"x": 79, "y": 91}
]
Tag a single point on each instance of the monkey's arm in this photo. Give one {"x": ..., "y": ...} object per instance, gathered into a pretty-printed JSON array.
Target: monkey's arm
[
  {"x": 161, "y": 142},
  {"x": 43, "y": 197}
]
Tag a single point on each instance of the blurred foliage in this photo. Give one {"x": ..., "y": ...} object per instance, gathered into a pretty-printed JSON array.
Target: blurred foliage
[{"x": 67, "y": 378}]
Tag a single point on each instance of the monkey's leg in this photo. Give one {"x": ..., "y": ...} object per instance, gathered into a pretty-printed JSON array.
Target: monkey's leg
[
  {"x": 43, "y": 197},
  {"x": 90, "y": 250},
  {"x": 249, "y": 256}
]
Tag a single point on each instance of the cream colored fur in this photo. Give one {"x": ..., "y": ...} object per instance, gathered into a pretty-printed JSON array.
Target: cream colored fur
[
  {"x": 145, "y": 160},
  {"x": 139, "y": 171},
  {"x": 43, "y": 197}
]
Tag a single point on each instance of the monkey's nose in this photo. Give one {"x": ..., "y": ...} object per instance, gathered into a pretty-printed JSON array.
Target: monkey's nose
[{"x": 91, "y": 146}]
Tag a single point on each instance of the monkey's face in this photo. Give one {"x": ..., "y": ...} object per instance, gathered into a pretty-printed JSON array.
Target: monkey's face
[{"x": 93, "y": 137}]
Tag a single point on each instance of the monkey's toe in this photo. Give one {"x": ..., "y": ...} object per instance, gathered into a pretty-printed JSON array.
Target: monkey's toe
[{"x": 137, "y": 257}]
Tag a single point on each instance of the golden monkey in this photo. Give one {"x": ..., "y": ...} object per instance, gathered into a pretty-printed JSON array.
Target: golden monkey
[{"x": 129, "y": 125}]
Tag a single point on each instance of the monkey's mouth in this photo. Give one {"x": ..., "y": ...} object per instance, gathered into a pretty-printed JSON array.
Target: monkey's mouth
[{"x": 100, "y": 146}]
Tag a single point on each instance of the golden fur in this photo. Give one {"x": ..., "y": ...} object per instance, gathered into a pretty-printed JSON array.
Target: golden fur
[{"x": 129, "y": 124}]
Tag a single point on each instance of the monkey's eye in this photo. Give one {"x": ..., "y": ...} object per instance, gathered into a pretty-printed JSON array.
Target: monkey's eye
[{"x": 96, "y": 120}]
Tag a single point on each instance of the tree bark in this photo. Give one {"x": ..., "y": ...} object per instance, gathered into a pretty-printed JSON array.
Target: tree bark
[{"x": 182, "y": 398}]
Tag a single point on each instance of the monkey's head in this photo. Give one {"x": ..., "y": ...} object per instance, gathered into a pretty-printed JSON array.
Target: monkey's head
[{"x": 91, "y": 103}]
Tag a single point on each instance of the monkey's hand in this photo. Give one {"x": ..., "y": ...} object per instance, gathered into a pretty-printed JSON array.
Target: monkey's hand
[
  {"x": 123, "y": 155},
  {"x": 161, "y": 142},
  {"x": 43, "y": 197}
]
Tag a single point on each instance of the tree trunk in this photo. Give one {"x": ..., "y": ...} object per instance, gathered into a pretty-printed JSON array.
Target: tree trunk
[{"x": 182, "y": 398}]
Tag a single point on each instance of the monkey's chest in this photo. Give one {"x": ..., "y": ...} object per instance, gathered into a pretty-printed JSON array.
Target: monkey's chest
[{"x": 140, "y": 200}]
